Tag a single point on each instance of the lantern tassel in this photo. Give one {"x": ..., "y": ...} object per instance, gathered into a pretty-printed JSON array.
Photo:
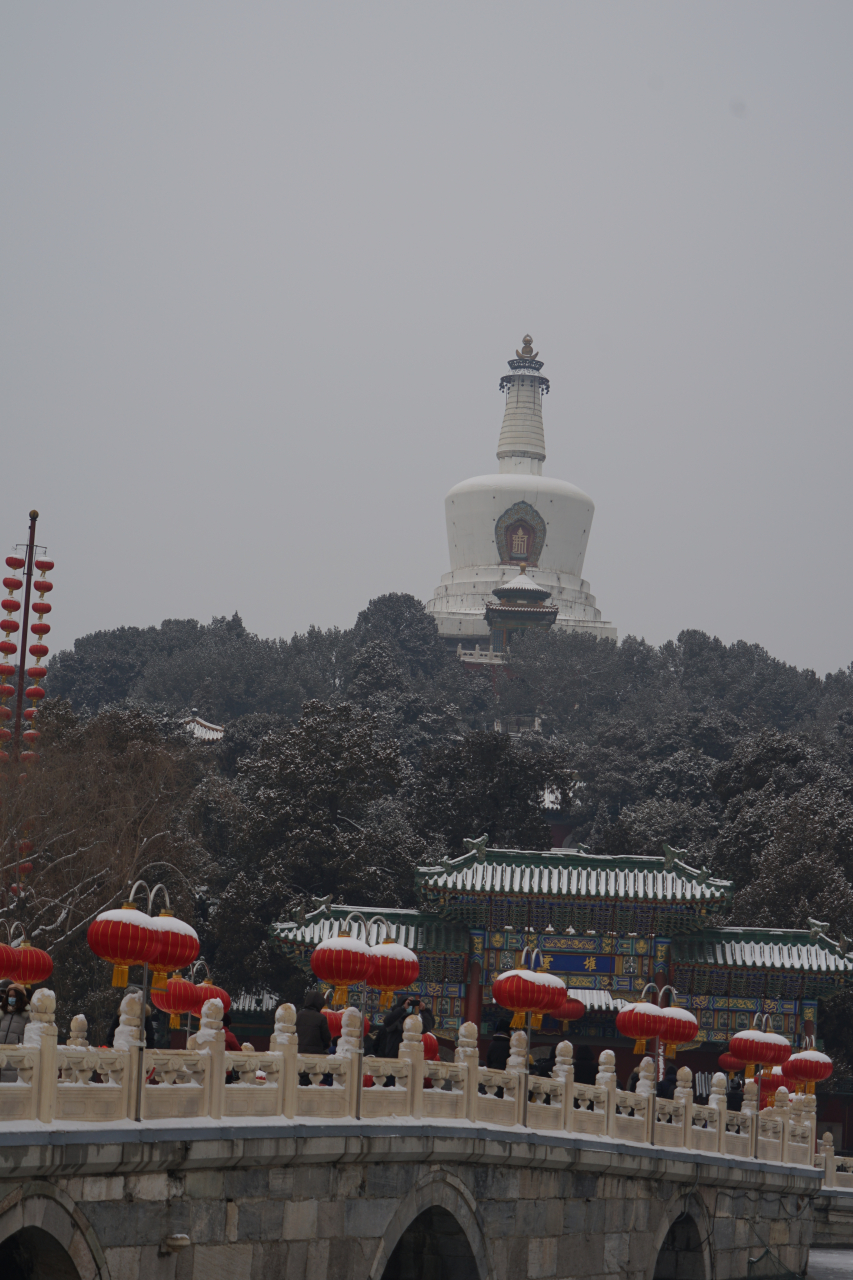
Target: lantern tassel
[
  {"x": 517, "y": 1023},
  {"x": 639, "y": 1046},
  {"x": 174, "y": 1022},
  {"x": 669, "y": 1051},
  {"x": 120, "y": 975},
  {"x": 750, "y": 1071},
  {"x": 339, "y": 999},
  {"x": 386, "y": 1000},
  {"x": 158, "y": 982},
  {"x": 536, "y": 1022}
]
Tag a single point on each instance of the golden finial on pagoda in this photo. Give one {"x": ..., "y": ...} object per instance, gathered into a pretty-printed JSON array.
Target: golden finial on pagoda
[{"x": 527, "y": 352}]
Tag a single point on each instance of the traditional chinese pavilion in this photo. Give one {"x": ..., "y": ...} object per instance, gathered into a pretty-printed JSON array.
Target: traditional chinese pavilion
[{"x": 607, "y": 926}]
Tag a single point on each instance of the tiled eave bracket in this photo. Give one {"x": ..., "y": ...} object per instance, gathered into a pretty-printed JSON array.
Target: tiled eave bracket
[{"x": 789, "y": 950}]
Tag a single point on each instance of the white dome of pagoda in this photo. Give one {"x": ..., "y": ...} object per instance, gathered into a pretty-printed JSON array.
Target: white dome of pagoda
[{"x": 501, "y": 522}]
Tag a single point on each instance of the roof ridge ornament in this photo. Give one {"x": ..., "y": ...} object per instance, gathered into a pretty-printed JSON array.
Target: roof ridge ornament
[
  {"x": 817, "y": 927},
  {"x": 477, "y": 847}
]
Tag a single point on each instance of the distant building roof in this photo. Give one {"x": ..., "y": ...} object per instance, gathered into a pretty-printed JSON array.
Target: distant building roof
[{"x": 202, "y": 729}]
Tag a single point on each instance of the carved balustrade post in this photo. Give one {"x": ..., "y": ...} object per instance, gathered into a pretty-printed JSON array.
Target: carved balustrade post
[
  {"x": 826, "y": 1154},
  {"x": 646, "y": 1089},
  {"x": 749, "y": 1107},
  {"x": 684, "y": 1095},
  {"x": 564, "y": 1069},
  {"x": 606, "y": 1079},
  {"x": 717, "y": 1099},
  {"x": 468, "y": 1055},
  {"x": 349, "y": 1047},
  {"x": 285, "y": 1041},
  {"x": 40, "y": 1033},
  {"x": 412, "y": 1050}
]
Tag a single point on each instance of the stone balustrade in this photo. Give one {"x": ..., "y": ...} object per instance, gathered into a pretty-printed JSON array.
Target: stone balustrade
[{"x": 82, "y": 1083}]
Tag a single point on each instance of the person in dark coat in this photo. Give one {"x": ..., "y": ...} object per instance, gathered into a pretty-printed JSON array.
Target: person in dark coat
[
  {"x": 497, "y": 1054},
  {"x": 391, "y": 1036},
  {"x": 585, "y": 1068},
  {"x": 734, "y": 1095},
  {"x": 633, "y": 1081},
  {"x": 666, "y": 1087},
  {"x": 312, "y": 1026},
  {"x": 13, "y": 1020},
  {"x": 149, "y": 1025}
]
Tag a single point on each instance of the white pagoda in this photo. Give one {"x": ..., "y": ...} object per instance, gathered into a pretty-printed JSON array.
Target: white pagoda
[{"x": 498, "y": 524}]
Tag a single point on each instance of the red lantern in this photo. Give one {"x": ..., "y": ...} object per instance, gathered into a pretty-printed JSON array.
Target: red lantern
[
  {"x": 43, "y": 566},
  {"x": 8, "y": 961},
  {"x": 13, "y": 584},
  {"x": 31, "y": 735},
  {"x": 177, "y": 947},
  {"x": 35, "y": 693},
  {"x": 178, "y": 997},
  {"x": 29, "y": 757},
  {"x": 7, "y": 671},
  {"x": 39, "y": 650},
  {"x": 15, "y": 562},
  {"x": 122, "y": 938},
  {"x": 764, "y": 1047},
  {"x": 32, "y": 965},
  {"x": 393, "y": 968},
  {"x": 8, "y": 647},
  {"x": 520, "y": 991},
  {"x": 679, "y": 1027},
  {"x": 809, "y": 1066},
  {"x": 41, "y": 606},
  {"x": 335, "y": 1019},
  {"x": 5, "y": 734},
  {"x": 774, "y": 1079},
  {"x": 569, "y": 1010},
  {"x": 36, "y": 673},
  {"x": 431, "y": 1051},
  {"x": 10, "y": 626},
  {"x": 26, "y": 846},
  {"x": 42, "y": 585},
  {"x": 342, "y": 960},
  {"x": 640, "y": 1022},
  {"x": 730, "y": 1064},
  {"x": 29, "y": 713},
  {"x": 40, "y": 628},
  {"x": 6, "y": 713},
  {"x": 25, "y": 868},
  {"x": 207, "y": 991},
  {"x": 7, "y": 690},
  {"x": 11, "y": 605}
]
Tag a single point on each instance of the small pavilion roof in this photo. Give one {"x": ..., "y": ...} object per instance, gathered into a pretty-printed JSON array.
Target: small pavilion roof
[
  {"x": 797, "y": 950},
  {"x": 328, "y": 921},
  {"x": 576, "y": 874}
]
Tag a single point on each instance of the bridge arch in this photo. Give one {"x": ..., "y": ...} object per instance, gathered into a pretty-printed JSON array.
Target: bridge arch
[
  {"x": 441, "y": 1214},
  {"x": 44, "y": 1236},
  {"x": 682, "y": 1247}
]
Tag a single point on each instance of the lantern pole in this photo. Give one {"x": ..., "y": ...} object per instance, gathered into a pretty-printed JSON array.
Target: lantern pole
[
  {"x": 359, "y": 1056},
  {"x": 28, "y": 573},
  {"x": 530, "y": 956},
  {"x": 140, "y": 1075}
]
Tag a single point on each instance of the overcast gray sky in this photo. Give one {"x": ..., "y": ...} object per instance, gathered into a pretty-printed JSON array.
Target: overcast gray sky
[{"x": 263, "y": 264}]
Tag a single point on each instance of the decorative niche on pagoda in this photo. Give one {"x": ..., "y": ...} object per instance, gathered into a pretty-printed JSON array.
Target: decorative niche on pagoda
[{"x": 498, "y": 523}]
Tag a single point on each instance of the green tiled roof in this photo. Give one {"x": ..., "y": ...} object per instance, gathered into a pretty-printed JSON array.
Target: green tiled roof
[
  {"x": 414, "y": 929},
  {"x": 575, "y": 874},
  {"x": 794, "y": 950}
]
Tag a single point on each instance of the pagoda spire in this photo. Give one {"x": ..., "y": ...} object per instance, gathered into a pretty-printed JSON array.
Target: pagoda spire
[{"x": 521, "y": 446}]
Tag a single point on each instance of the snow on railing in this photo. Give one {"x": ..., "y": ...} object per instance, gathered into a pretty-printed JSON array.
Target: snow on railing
[{"x": 41, "y": 1081}]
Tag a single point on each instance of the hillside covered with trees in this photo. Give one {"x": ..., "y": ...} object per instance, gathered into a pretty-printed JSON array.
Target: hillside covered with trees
[{"x": 351, "y": 756}]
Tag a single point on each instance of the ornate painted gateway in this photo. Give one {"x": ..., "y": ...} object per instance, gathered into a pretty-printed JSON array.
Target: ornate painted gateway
[{"x": 607, "y": 926}]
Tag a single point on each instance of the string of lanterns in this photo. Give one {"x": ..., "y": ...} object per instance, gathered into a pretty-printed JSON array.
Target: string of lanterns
[
  {"x": 346, "y": 961},
  {"x": 644, "y": 1021}
]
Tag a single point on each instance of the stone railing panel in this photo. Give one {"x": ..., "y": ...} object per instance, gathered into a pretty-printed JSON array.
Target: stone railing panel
[
  {"x": 704, "y": 1128},
  {"x": 499, "y": 1101},
  {"x": 258, "y": 1089},
  {"x": 590, "y": 1109},
  {"x": 738, "y": 1134},
  {"x": 446, "y": 1100},
  {"x": 630, "y": 1116},
  {"x": 545, "y": 1109},
  {"x": 19, "y": 1097},
  {"x": 93, "y": 1084},
  {"x": 177, "y": 1084},
  {"x": 769, "y": 1140},
  {"x": 669, "y": 1123},
  {"x": 389, "y": 1095},
  {"x": 313, "y": 1098}
]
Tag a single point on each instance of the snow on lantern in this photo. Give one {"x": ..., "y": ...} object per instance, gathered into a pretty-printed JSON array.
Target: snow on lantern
[
  {"x": 808, "y": 1067},
  {"x": 679, "y": 1027},
  {"x": 343, "y": 961},
  {"x": 640, "y": 1022},
  {"x": 123, "y": 937},
  {"x": 759, "y": 1048},
  {"x": 206, "y": 990},
  {"x": 177, "y": 946},
  {"x": 393, "y": 967}
]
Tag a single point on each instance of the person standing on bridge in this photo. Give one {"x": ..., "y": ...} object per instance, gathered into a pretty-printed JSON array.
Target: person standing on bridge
[
  {"x": 13, "y": 1020},
  {"x": 391, "y": 1035},
  {"x": 312, "y": 1027}
]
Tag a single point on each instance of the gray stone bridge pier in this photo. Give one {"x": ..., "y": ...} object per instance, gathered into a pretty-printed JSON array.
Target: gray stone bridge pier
[{"x": 388, "y": 1201}]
